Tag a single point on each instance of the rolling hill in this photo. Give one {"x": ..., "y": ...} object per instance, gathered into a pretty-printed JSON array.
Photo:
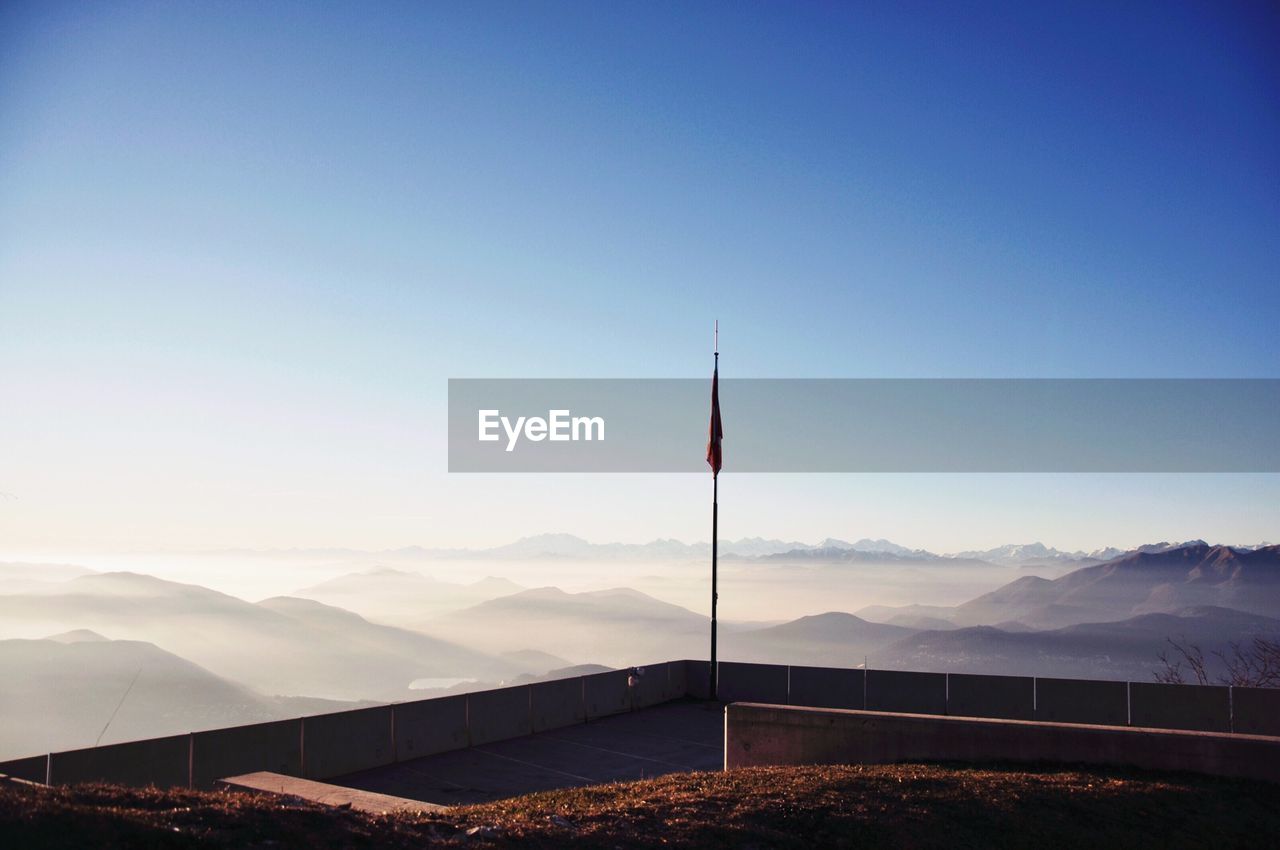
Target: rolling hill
[
  {"x": 400, "y": 597},
  {"x": 60, "y": 693},
  {"x": 297, "y": 647},
  {"x": 833, "y": 639},
  {"x": 24, "y": 576},
  {"x": 618, "y": 627}
]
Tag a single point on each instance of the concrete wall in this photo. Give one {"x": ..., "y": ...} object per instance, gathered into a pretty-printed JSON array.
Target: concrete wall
[
  {"x": 827, "y": 687},
  {"x": 554, "y": 705},
  {"x": 274, "y": 747},
  {"x": 653, "y": 686},
  {"x": 163, "y": 762},
  {"x": 737, "y": 682},
  {"x": 32, "y": 768},
  {"x": 607, "y": 693},
  {"x": 329, "y": 745},
  {"x": 428, "y": 726},
  {"x": 678, "y": 678},
  {"x": 770, "y": 734},
  {"x": 1204, "y": 707},
  {"x": 698, "y": 679},
  {"x": 346, "y": 741},
  {"x": 1255, "y": 711},
  {"x": 1009, "y": 697},
  {"x": 915, "y": 693},
  {"x": 498, "y": 715},
  {"x": 1082, "y": 701}
]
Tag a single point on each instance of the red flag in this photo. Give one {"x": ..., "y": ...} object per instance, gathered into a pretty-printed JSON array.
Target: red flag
[{"x": 715, "y": 433}]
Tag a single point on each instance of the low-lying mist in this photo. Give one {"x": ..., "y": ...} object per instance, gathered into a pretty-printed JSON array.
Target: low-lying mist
[{"x": 90, "y": 652}]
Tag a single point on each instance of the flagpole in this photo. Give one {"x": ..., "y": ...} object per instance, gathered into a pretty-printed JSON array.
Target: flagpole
[
  {"x": 715, "y": 511},
  {"x": 715, "y": 521}
]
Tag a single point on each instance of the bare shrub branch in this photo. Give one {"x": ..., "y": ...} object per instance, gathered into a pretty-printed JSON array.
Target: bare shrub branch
[{"x": 1255, "y": 664}]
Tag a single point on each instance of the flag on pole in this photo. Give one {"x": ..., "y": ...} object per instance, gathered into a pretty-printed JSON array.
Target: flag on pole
[{"x": 715, "y": 432}]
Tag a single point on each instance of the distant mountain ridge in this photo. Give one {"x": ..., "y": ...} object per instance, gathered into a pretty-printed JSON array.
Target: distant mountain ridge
[
  {"x": 285, "y": 645},
  {"x": 554, "y": 546},
  {"x": 837, "y": 638},
  {"x": 400, "y": 596},
  {"x": 1119, "y": 649},
  {"x": 1153, "y": 579}
]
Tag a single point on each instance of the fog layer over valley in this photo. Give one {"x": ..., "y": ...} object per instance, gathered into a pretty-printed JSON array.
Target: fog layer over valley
[{"x": 89, "y": 654}]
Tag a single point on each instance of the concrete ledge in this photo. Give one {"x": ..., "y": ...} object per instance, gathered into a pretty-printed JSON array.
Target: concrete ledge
[
  {"x": 1255, "y": 711},
  {"x": 308, "y": 790},
  {"x": 31, "y": 768},
  {"x": 275, "y": 746},
  {"x": 1090, "y": 701},
  {"x": 428, "y": 726},
  {"x": 737, "y": 680},
  {"x": 900, "y": 690},
  {"x": 607, "y": 693},
  {"x": 556, "y": 704},
  {"x": 163, "y": 762},
  {"x": 697, "y": 682},
  {"x": 346, "y": 741},
  {"x": 772, "y": 734},
  {"x": 1206, "y": 708},
  {"x": 653, "y": 686},
  {"x": 827, "y": 687},
  {"x": 1005, "y": 697},
  {"x": 498, "y": 714},
  {"x": 677, "y": 679}
]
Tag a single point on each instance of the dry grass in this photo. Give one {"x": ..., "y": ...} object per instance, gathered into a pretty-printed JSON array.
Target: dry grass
[{"x": 848, "y": 806}]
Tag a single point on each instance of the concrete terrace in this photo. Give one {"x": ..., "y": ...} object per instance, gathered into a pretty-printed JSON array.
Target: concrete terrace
[
  {"x": 615, "y": 725},
  {"x": 671, "y": 738}
]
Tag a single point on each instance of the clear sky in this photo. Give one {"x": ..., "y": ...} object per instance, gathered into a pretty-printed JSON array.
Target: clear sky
[{"x": 243, "y": 246}]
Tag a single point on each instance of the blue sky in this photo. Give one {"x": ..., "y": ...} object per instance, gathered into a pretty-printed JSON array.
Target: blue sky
[{"x": 243, "y": 245}]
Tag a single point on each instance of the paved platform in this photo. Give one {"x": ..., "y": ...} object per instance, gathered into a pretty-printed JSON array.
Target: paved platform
[
  {"x": 671, "y": 738},
  {"x": 324, "y": 793}
]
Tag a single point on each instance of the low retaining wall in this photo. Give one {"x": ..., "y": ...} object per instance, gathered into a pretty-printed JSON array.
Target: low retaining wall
[
  {"x": 1204, "y": 708},
  {"x": 274, "y": 747},
  {"x": 31, "y": 768},
  {"x": 762, "y": 682},
  {"x": 498, "y": 715},
  {"x": 164, "y": 762},
  {"x": 328, "y": 745},
  {"x": 323, "y": 746},
  {"x": 428, "y": 726},
  {"x": 347, "y": 741},
  {"x": 772, "y": 735},
  {"x": 827, "y": 687},
  {"x": 1255, "y": 711},
  {"x": 1082, "y": 701},
  {"x": 606, "y": 693}
]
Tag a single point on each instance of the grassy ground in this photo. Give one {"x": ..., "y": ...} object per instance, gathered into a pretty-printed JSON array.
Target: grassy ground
[{"x": 869, "y": 806}]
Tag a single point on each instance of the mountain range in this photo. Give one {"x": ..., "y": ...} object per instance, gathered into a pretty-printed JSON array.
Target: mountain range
[
  {"x": 560, "y": 546},
  {"x": 203, "y": 658},
  {"x": 1127, "y": 649},
  {"x": 279, "y": 646},
  {"x": 1145, "y": 581}
]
